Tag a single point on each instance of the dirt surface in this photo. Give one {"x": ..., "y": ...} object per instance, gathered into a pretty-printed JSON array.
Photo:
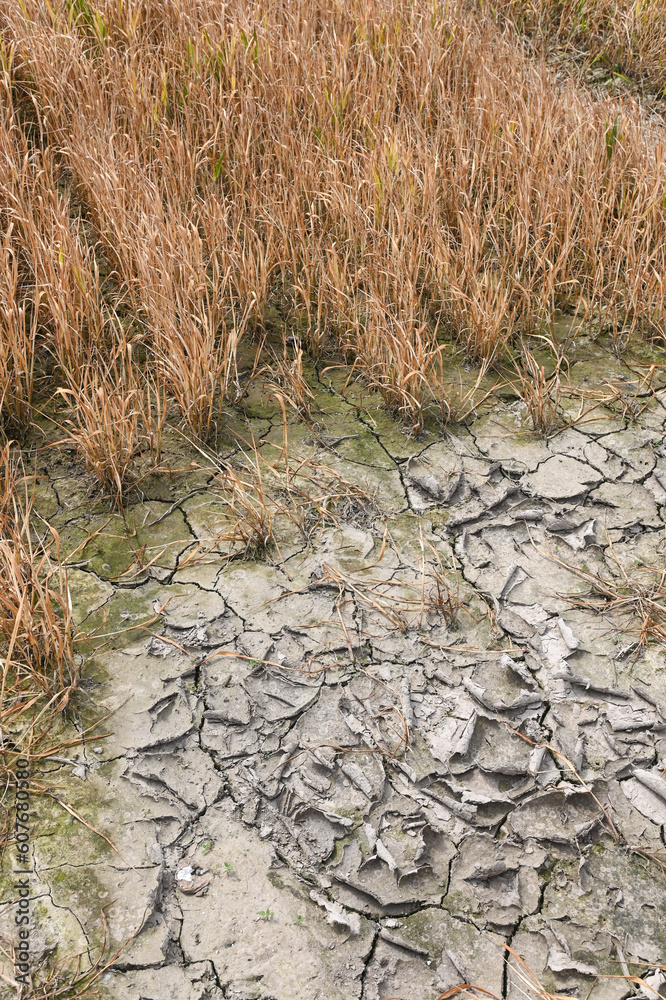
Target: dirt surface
[{"x": 325, "y": 780}]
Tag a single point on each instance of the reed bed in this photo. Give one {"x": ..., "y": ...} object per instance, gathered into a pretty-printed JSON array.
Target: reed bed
[{"x": 388, "y": 176}]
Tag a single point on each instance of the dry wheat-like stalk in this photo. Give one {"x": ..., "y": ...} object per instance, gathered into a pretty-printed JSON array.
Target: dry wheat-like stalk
[
  {"x": 36, "y": 630},
  {"x": 116, "y": 417},
  {"x": 389, "y": 174}
]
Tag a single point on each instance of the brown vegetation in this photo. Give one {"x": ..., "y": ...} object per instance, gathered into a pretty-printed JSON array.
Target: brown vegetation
[
  {"x": 38, "y": 670},
  {"x": 626, "y": 36},
  {"x": 36, "y": 653},
  {"x": 386, "y": 176}
]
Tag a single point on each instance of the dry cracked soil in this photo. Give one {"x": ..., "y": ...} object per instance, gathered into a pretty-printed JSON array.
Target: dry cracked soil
[{"x": 360, "y": 763}]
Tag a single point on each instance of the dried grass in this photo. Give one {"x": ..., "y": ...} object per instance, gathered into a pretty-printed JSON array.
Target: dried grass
[
  {"x": 116, "y": 418},
  {"x": 262, "y": 499},
  {"x": 524, "y": 981},
  {"x": 627, "y": 397},
  {"x": 404, "y": 598},
  {"x": 627, "y": 36},
  {"x": 65, "y": 980},
  {"x": 286, "y": 379},
  {"x": 637, "y": 599},
  {"x": 36, "y": 631},
  {"x": 541, "y": 392},
  {"x": 441, "y": 593},
  {"x": 49, "y": 261},
  {"x": 388, "y": 176},
  {"x": 38, "y": 670},
  {"x": 39, "y": 674},
  {"x": 456, "y": 399},
  {"x": 633, "y": 600},
  {"x": 18, "y": 328}
]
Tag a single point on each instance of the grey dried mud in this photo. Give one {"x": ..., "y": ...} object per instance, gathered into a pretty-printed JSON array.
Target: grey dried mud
[{"x": 317, "y": 784}]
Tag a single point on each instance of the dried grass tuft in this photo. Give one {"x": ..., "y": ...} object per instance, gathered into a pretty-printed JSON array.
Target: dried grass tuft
[
  {"x": 116, "y": 418},
  {"x": 286, "y": 379},
  {"x": 36, "y": 630},
  {"x": 541, "y": 392}
]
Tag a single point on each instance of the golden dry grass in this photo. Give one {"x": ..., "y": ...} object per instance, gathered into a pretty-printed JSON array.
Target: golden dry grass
[{"x": 387, "y": 175}]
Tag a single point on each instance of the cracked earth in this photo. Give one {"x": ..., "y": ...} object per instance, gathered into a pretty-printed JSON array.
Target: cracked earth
[{"x": 322, "y": 780}]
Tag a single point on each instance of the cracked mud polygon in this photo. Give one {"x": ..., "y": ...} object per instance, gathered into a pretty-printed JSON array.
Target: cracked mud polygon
[{"x": 320, "y": 780}]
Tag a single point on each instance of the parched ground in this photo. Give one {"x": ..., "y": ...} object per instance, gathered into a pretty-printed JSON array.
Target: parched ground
[{"x": 322, "y": 778}]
